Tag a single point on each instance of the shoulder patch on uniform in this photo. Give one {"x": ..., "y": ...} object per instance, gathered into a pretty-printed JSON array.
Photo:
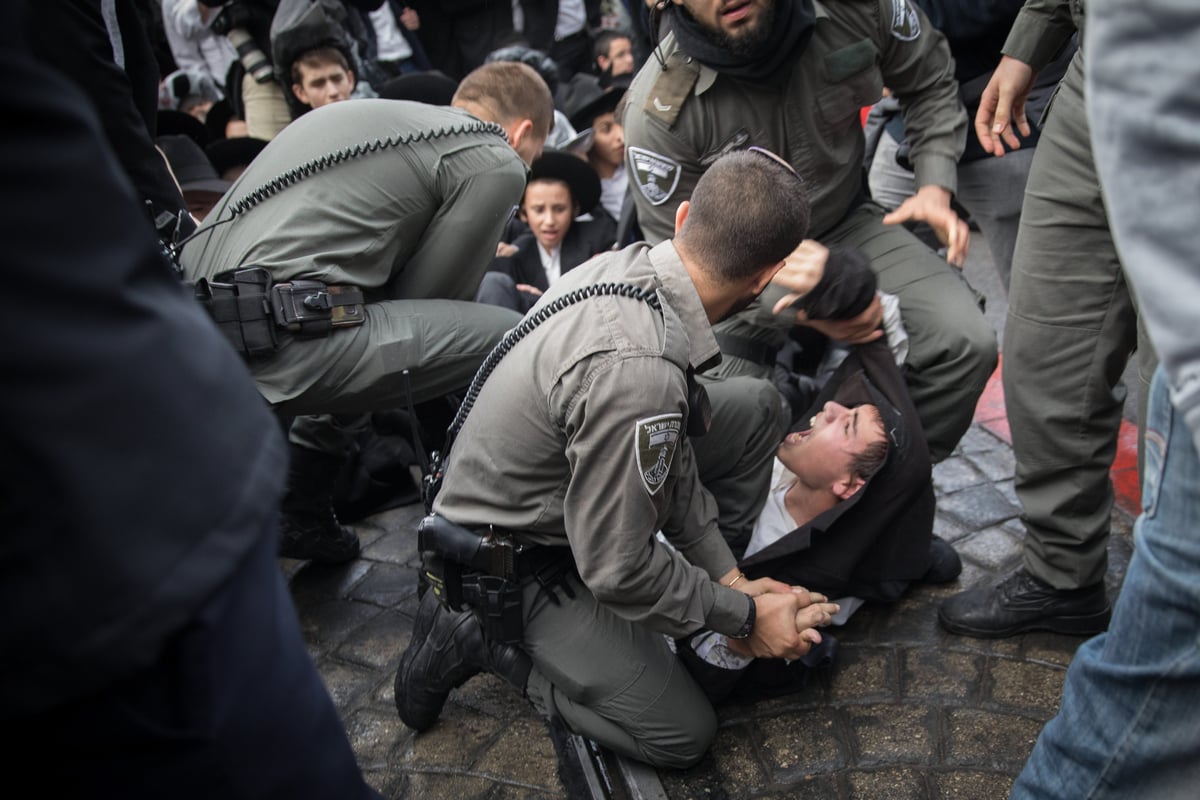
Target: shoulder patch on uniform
[
  {"x": 736, "y": 142},
  {"x": 906, "y": 25},
  {"x": 671, "y": 89},
  {"x": 656, "y": 175},
  {"x": 655, "y": 440}
]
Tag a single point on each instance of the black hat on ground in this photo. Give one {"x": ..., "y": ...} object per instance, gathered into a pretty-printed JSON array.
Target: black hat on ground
[
  {"x": 433, "y": 88},
  {"x": 579, "y": 176},
  {"x": 590, "y": 101},
  {"x": 192, "y": 168}
]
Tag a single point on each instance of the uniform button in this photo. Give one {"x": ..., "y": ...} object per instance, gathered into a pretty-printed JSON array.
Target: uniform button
[{"x": 688, "y": 60}]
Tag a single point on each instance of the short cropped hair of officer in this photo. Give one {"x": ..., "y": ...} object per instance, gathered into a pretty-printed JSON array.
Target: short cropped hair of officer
[
  {"x": 578, "y": 447},
  {"x": 399, "y": 206},
  {"x": 792, "y": 77}
]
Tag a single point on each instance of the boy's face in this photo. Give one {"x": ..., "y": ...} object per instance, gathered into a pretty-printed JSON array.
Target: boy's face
[
  {"x": 609, "y": 144},
  {"x": 619, "y": 58},
  {"x": 548, "y": 210},
  {"x": 320, "y": 86}
]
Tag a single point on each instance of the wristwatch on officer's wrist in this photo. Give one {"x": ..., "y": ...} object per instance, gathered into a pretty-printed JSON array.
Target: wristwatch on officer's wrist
[{"x": 747, "y": 626}]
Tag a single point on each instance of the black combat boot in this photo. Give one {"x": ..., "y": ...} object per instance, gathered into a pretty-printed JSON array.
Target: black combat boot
[
  {"x": 1021, "y": 603},
  {"x": 446, "y": 649},
  {"x": 308, "y": 527}
]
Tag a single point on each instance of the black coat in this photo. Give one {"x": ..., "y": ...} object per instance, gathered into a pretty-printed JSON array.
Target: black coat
[{"x": 583, "y": 240}]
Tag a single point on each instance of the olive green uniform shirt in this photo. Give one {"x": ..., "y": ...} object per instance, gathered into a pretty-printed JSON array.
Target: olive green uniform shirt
[
  {"x": 679, "y": 120},
  {"x": 579, "y": 437}
]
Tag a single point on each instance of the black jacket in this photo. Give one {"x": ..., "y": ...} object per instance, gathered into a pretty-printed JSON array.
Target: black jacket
[
  {"x": 583, "y": 240},
  {"x": 542, "y": 15}
]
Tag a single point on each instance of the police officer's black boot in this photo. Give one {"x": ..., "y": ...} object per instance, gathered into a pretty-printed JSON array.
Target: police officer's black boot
[
  {"x": 446, "y": 649},
  {"x": 308, "y": 527}
]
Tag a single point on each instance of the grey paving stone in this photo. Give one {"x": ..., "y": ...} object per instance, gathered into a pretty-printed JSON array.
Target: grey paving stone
[
  {"x": 865, "y": 674},
  {"x": 455, "y": 743},
  {"x": 996, "y": 465},
  {"x": 396, "y": 546},
  {"x": 523, "y": 756},
  {"x": 735, "y": 755},
  {"x": 988, "y": 739},
  {"x": 327, "y": 624},
  {"x": 979, "y": 440},
  {"x": 933, "y": 675},
  {"x": 978, "y": 507},
  {"x": 386, "y": 585},
  {"x": 954, "y": 474},
  {"x": 890, "y": 734},
  {"x": 948, "y": 529},
  {"x": 374, "y": 735},
  {"x": 992, "y": 548},
  {"x": 1054, "y": 649},
  {"x": 894, "y": 784},
  {"x": 348, "y": 684},
  {"x": 316, "y": 583},
  {"x": 446, "y": 785},
  {"x": 795, "y": 746},
  {"x": 377, "y": 643},
  {"x": 1017, "y": 685},
  {"x": 972, "y": 785}
]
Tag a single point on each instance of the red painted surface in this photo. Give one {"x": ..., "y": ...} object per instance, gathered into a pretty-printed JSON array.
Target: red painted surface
[{"x": 990, "y": 415}]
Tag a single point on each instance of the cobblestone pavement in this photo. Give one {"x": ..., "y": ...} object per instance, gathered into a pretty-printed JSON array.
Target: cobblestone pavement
[{"x": 907, "y": 711}]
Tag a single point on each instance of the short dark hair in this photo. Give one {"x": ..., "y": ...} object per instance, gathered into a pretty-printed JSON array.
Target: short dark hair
[
  {"x": 874, "y": 456},
  {"x": 603, "y": 42},
  {"x": 748, "y": 211},
  {"x": 317, "y": 58}
]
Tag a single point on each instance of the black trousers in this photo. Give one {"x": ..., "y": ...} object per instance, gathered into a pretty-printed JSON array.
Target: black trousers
[{"x": 234, "y": 708}]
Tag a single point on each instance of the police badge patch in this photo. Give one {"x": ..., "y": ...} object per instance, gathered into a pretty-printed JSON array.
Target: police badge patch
[
  {"x": 655, "y": 175},
  {"x": 655, "y": 440},
  {"x": 906, "y": 25}
]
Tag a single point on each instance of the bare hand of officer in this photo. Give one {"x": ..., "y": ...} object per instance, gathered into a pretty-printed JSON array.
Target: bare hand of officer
[
  {"x": 801, "y": 271},
  {"x": 857, "y": 330},
  {"x": 1004, "y": 99},
  {"x": 775, "y": 634},
  {"x": 931, "y": 205}
]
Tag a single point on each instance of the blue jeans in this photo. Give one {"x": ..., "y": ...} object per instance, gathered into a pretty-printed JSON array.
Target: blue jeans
[{"x": 1129, "y": 725}]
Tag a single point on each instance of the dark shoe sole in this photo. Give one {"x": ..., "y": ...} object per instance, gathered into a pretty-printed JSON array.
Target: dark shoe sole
[{"x": 1081, "y": 625}]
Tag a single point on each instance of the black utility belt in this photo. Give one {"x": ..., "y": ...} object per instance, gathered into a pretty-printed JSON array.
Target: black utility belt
[{"x": 249, "y": 308}]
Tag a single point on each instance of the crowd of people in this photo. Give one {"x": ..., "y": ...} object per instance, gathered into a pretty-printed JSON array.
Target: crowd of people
[{"x": 702, "y": 338}]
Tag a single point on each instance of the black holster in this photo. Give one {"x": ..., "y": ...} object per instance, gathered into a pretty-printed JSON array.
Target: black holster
[{"x": 466, "y": 570}]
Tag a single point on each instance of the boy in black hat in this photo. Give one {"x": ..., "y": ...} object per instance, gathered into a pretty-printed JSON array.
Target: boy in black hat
[
  {"x": 561, "y": 186},
  {"x": 595, "y": 109}
]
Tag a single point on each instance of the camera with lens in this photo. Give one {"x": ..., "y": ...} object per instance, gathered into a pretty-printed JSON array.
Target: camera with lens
[{"x": 231, "y": 23}]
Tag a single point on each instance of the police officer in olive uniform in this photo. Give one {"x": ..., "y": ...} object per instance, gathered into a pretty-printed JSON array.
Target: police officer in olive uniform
[
  {"x": 1072, "y": 326},
  {"x": 396, "y": 207},
  {"x": 591, "y": 409},
  {"x": 792, "y": 77}
]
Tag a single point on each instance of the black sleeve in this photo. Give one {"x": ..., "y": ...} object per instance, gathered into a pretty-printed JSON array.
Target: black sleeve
[
  {"x": 846, "y": 288},
  {"x": 71, "y": 37}
]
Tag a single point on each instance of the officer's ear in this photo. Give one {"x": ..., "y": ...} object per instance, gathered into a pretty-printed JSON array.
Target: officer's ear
[
  {"x": 764, "y": 277},
  {"x": 681, "y": 214}
]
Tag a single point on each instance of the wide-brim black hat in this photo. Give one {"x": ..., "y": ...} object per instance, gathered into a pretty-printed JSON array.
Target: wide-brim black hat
[
  {"x": 591, "y": 101},
  {"x": 190, "y": 165},
  {"x": 433, "y": 88},
  {"x": 169, "y": 122},
  {"x": 578, "y": 174},
  {"x": 226, "y": 154}
]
